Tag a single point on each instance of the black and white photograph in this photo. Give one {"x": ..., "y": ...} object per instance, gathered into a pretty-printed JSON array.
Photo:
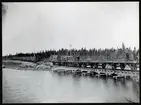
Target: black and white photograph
[{"x": 70, "y": 52}]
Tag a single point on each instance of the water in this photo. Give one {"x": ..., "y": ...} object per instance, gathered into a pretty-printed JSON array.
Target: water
[{"x": 22, "y": 86}]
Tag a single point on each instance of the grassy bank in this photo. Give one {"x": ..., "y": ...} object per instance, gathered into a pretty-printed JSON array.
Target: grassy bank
[{"x": 15, "y": 64}]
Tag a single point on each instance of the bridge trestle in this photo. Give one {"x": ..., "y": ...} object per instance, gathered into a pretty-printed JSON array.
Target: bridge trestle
[{"x": 96, "y": 65}]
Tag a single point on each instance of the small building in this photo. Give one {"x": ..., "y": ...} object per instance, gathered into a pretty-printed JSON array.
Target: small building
[
  {"x": 67, "y": 58},
  {"x": 53, "y": 58}
]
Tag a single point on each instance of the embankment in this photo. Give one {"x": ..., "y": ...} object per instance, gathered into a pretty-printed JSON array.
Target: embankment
[{"x": 16, "y": 64}]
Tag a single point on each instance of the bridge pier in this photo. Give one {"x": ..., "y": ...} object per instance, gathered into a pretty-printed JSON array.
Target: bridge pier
[
  {"x": 114, "y": 66},
  {"x": 73, "y": 65},
  {"x": 134, "y": 66},
  {"x": 85, "y": 65},
  {"x": 59, "y": 63},
  {"x": 95, "y": 66},
  {"x": 67, "y": 63},
  {"x": 122, "y": 66},
  {"x": 80, "y": 64},
  {"x": 54, "y": 63},
  {"x": 76, "y": 65},
  {"x": 92, "y": 65},
  {"x": 103, "y": 65}
]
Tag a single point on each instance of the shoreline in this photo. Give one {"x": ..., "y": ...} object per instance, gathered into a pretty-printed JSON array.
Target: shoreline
[
  {"x": 45, "y": 66},
  {"x": 19, "y": 65}
]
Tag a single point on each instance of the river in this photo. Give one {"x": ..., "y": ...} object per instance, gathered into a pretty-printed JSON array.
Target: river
[{"x": 26, "y": 86}]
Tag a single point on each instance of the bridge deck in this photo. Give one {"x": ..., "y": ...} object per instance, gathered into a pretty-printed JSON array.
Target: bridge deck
[{"x": 97, "y": 62}]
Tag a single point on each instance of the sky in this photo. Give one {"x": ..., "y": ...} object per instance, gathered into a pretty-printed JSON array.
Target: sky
[{"x": 29, "y": 27}]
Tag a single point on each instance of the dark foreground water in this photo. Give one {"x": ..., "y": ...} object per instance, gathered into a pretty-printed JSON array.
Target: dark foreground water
[{"x": 21, "y": 86}]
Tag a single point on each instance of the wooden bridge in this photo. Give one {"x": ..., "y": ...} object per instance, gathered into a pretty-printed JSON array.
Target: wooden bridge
[
  {"x": 133, "y": 65},
  {"x": 134, "y": 74}
]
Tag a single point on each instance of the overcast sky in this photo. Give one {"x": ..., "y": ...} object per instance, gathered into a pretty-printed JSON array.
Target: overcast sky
[{"x": 82, "y": 24}]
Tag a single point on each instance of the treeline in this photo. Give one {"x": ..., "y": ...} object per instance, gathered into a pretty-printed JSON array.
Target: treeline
[{"x": 119, "y": 53}]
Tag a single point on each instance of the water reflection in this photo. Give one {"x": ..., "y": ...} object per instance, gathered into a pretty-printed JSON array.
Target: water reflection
[
  {"x": 34, "y": 86},
  {"x": 76, "y": 83},
  {"x": 116, "y": 82},
  {"x": 123, "y": 83}
]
